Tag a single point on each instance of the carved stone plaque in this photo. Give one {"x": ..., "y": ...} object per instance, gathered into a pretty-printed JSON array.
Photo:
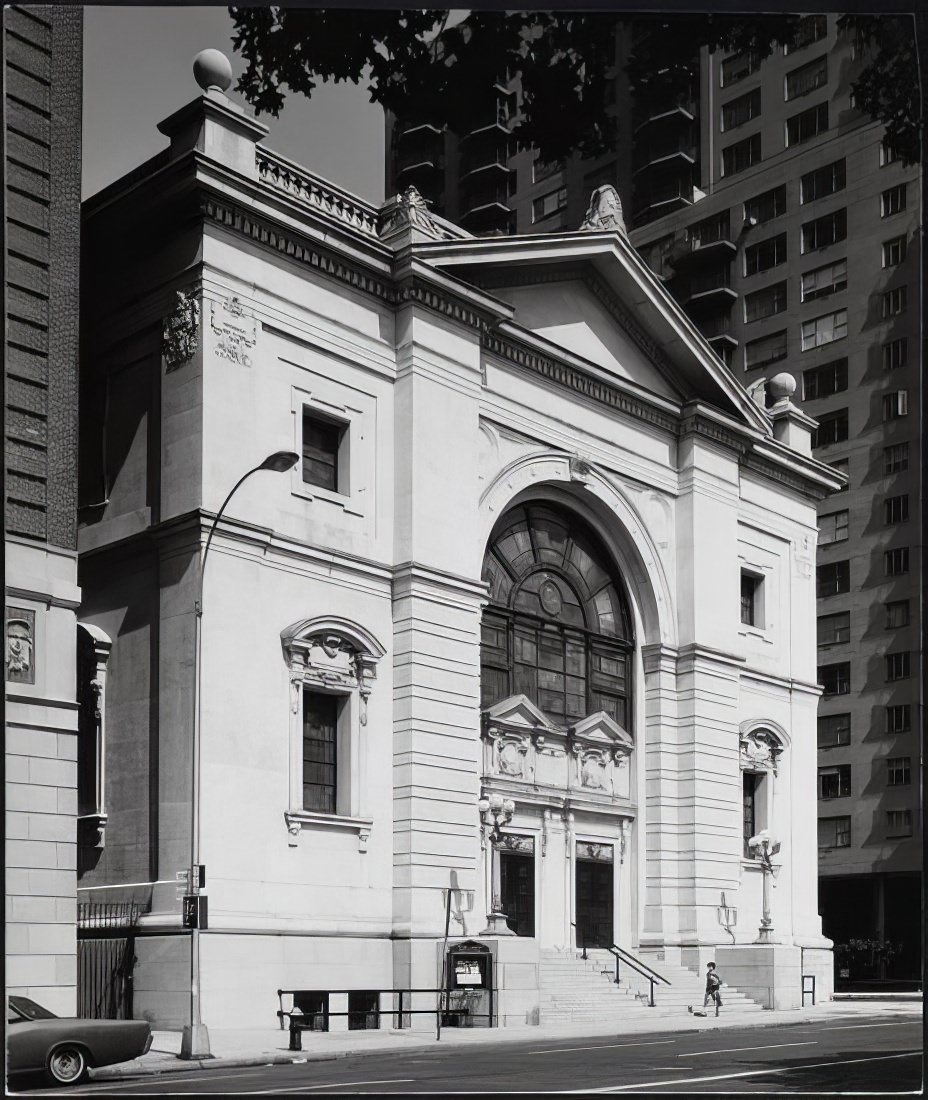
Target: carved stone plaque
[
  {"x": 235, "y": 330},
  {"x": 20, "y": 645}
]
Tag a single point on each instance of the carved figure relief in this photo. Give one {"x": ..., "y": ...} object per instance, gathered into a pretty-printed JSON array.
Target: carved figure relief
[
  {"x": 235, "y": 329},
  {"x": 759, "y": 751},
  {"x": 593, "y": 771},
  {"x": 605, "y": 211},
  {"x": 20, "y": 645},
  {"x": 409, "y": 211},
  {"x": 181, "y": 331}
]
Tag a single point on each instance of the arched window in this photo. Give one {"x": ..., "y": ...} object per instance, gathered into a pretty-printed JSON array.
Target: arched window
[{"x": 557, "y": 628}]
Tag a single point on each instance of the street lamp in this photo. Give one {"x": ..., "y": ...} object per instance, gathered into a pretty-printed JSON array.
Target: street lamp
[
  {"x": 764, "y": 845},
  {"x": 195, "y": 1038},
  {"x": 495, "y": 812}
]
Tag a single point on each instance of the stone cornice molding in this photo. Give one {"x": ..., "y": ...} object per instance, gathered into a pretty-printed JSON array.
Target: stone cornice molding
[
  {"x": 659, "y": 657},
  {"x": 695, "y": 652},
  {"x": 412, "y": 578}
]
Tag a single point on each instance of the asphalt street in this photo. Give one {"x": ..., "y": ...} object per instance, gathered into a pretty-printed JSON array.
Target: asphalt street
[{"x": 834, "y": 1055}]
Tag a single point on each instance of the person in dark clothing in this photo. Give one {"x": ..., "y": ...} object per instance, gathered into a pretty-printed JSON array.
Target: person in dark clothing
[{"x": 713, "y": 986}]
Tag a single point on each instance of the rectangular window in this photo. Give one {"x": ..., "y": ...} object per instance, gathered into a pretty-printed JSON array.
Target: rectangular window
[
  {"x": 320, "y": 740},
  {"x": 834, "y": 782},
  {"x": 834, "y": 629},
  {"x": 809, "y": 29},
  {"x": 750, "y": 800},
  {"x": 807, "y": 124},
  {"x": 807, "y": 78},
  {"x": 323, "y": 440},
  {"x": 895, "y": 404},
  {"x": 832, "y": 428},
  {"x": 765, "y": 254},
  {"x": 888, "y": 152},
  {"x": 833, "y": 578},
  {"x": 841, "y": 465},
  {"x": 543, "y": 169},
  {"x": 768, "y": 349},
  {"x": 896, "y": 562},
  {"x": 656, "y": 254},
  {"x": 824, "y": 330},
  {"x": 899, "y": 718},
  {"x": 898, "y": 822},
  {"x": 546, "y": 205},
  {"x": 763, "y": 208},
  {"x": 897, "y": 614},
  {"x": 892, "y": 201},
  {"x": 835, "y": 679},
  {"x": 898, "y": 666},
  {"x": 896, "y": 509},
  {"x": 831, "y": 378},
  {"x": 895, "y": 301},
  {"x": 710, "y": 230},
  {"x": 893, "y": 251},
  {"x": 750, "y": 599},
  {"x": 824, "y": 231},
  {"x": 737, "y": 68},
  {"x": 896, "y": 353},
  {"x": 821, "y": 182},
  {"x": 832, "y": 528},
  {"x": 822, "y": 281},
  {"x": 765, "y": 303},
  {"x": 834, "y": 832},
  {"x": 743, "y": 154},
  {"x": 834, "y": 730},
  {"x": 736, "y": 112},
  {"x": 896, "y": 458}
]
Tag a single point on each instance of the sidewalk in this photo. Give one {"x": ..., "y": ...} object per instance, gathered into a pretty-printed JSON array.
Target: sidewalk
[{"x": 269, "y": 1046}]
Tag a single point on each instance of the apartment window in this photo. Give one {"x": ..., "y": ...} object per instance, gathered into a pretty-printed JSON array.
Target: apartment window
[
  {"x": 823, "y": 281},
  {"x": 894, "y": 301},
  {"x": 807, "y": 125},
  {"x": 895, "y": 458},
  {"x": 736, "y": 112},
  {"x": 822, "y": 182},
  {"x": 892, "y": 201},
  {"x": 737, "y": 68},
  {"x": 888, "y": 152},
  {"x": 324, "y": 452},
  {"x": 896, "y": 353},
  {"x": 832, "y": 428},
  {"x": 898, "y": 666},
  {"x": 710, "y": 230},
  {"x": 656, "y": 254},
  {"x": 824, "y": 381},
  {"x": 895, "y": 404},
  {"x": 743, "y": 154},
  {"x": 834, "y": 629},
  {"x": 824, "y": 330},
  {"x": 834, "y": 832},
  {"x": 809, "y": 29},
  {"x": 546, "y": 205},
  {"x": 899, "y": 718},
  {"x": 806, "y": 78},
  {"x": 898, "y": 822},
  {"x": 833, "y": 578},
  {"x": 896, "y": 562},
  {"x": 320, "y": 738},
  {"x": 765, "y": 303},
  {"x": 897, "y": 614},
  {"x": 893, "y": 251},
  {"x": 751, "y": 587},
  {"x": 824, "y": 231},
  {"x": 543, "y": 169},
  {"x": 763, "y": 208},
  {"x": 834, "y": 781},
  {"x": 768, "y": 349},
  {"x": 896, "y": 509},
  {"x": 841, "y": 466},
  {"x": 834, "y": 730},
  {"x": 835, "y": 679},
  {"x": 832, "y": 528},
  {"x": 765, "y": 254}
]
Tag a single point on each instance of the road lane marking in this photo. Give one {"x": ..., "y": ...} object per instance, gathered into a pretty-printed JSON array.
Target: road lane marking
[
  {"x": 603, "y": 1046},
  {"x": 895, "y": 1023},
  {"x": 747, "y": 1073},
  {"x": 332, "y": 1085},
  {"x": 734, "y": 1050}
]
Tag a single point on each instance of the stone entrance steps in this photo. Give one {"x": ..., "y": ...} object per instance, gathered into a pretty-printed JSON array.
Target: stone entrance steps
[{"x": 576, "y": 990}]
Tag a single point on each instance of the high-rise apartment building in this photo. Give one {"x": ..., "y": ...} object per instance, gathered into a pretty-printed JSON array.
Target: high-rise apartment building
[{"x": 787, "y": 228}]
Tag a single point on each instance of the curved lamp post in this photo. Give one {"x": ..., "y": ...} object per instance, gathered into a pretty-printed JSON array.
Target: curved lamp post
[
  {"x": 495, "y": 812},
  {"x": 195, "y": 1038},
  {"x": 765, "y": 846}
]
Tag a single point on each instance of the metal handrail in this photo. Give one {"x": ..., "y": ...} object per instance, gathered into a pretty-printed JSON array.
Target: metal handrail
[
  {"x": 582, "y": 938},
  {"x": 401, "y": 1010},
  {"x": 637, "y": 964}
]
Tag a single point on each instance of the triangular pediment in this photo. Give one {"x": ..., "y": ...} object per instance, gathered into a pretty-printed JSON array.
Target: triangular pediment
[
  {"x": 601, "y": 727},
  {"x": 518, "y": 710}
]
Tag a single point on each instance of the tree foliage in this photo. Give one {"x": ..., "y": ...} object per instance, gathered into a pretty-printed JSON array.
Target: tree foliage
[{"x": 418, "y": 63}]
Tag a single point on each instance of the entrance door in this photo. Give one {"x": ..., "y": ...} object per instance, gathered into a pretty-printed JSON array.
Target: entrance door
[
  {"x": 594, "y": 895},
  {"x": 517, "y": 883}
]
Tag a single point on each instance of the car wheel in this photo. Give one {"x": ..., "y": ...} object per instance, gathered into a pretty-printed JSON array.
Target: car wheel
[{"x": 67, "y": 1065}]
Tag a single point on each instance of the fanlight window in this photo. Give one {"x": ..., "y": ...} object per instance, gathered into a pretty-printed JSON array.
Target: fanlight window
[{"x": 557, "y": 628}]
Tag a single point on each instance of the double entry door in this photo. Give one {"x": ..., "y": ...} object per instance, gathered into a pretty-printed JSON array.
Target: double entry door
[{"x": 595, "y": 894}]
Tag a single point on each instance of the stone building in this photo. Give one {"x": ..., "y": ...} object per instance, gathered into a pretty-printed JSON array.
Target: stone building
[
  {"x": 529, "y": 504},
  {"x": 41, "y": 66}
]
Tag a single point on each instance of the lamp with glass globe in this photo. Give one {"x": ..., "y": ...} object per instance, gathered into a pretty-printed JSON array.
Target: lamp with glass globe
[{"x": 495, "y": 812}]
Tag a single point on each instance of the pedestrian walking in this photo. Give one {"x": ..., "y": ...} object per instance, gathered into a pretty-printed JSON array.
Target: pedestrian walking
[{"x": 713, "y": 986}]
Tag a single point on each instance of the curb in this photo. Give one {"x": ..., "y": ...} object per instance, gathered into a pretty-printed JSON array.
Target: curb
[{"x": 137, "y": 1069}]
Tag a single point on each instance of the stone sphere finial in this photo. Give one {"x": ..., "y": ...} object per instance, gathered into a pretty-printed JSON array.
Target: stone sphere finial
[
  {"x": 781, "y": 385},
  {"x": 211, "y": 69}
]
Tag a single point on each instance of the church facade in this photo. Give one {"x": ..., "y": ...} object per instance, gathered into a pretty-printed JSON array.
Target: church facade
[{"x": 540, "y": 551}]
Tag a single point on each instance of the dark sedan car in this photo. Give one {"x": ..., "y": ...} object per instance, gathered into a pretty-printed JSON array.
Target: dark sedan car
[{"x": 65, "y": 1048}]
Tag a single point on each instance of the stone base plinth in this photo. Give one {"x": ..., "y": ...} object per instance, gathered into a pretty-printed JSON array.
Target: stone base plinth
[{"x": 770, "y": 974}]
